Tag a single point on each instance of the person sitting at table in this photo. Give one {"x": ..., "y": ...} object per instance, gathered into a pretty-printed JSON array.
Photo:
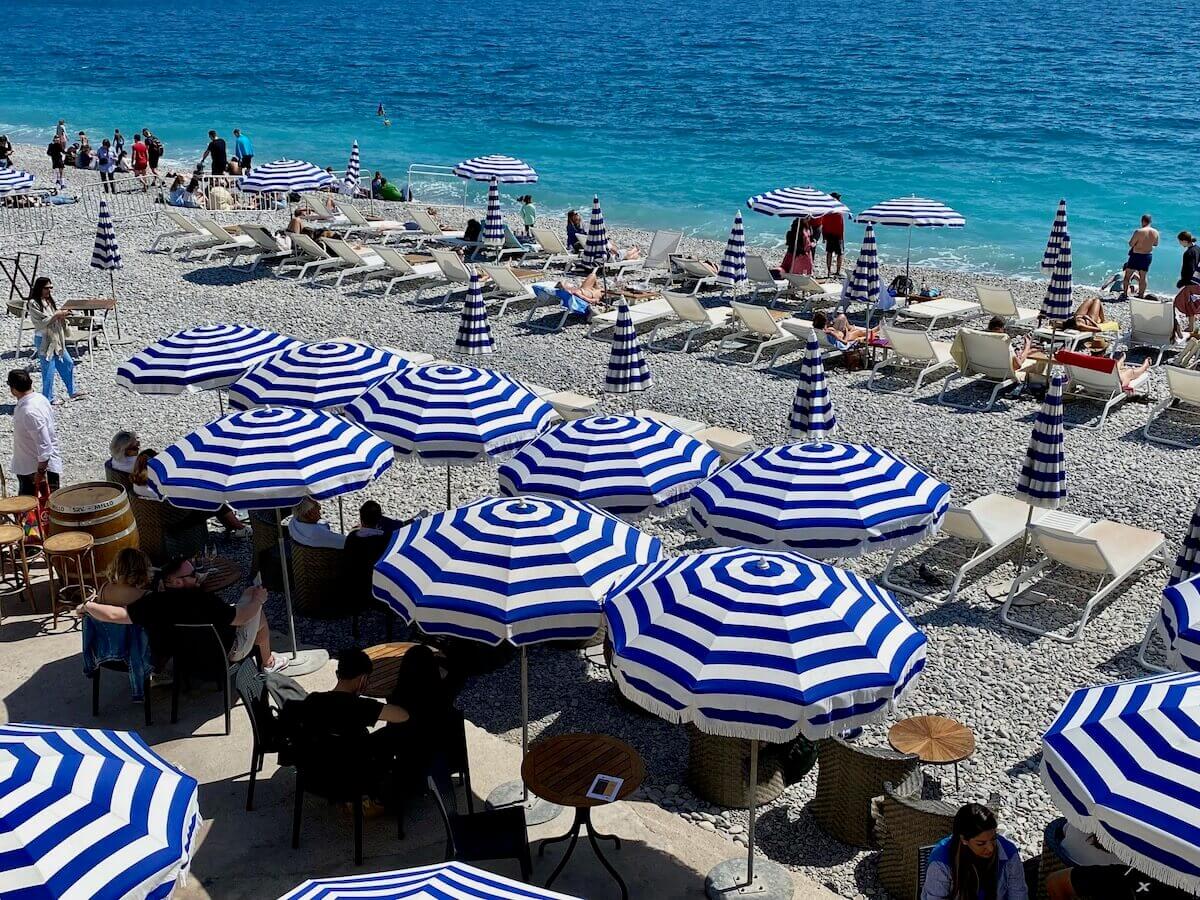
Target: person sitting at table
[
  {"x": 343, "y": 711},
  {"x": 840, "y": 328},
  {"x": 373, "y": 523},
  {"x": 129, "y": 577},
  {"x": 974, "y": 861},
  {"x": 139, "y": 479},
  {"x": 123, "y": 451},
  {"x": 306, "y": 527},
  {"x": 1096, "y": 874}
]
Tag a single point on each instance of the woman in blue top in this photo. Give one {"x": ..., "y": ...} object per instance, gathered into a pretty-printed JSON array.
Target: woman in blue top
[{"x": 974, "y": 863}]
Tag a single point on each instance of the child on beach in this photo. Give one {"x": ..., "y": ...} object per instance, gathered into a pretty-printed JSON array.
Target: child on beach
[{"x": 528, "y": 214}]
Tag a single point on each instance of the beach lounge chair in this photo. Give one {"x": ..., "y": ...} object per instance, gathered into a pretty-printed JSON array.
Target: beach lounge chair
[
  {"x": 1152, "y": 325},
  {"x": 311, "y": 258},
  {"x": 551, "y": 303},
  {"x": 696, "y": 272},
  {"x": 697, "y": 318},
  {"x": 643, "y": 313},
  {"x": 384, "y": 229},
  {"x": 224, "y": 241},
  {"x": 355, "y": 263},
  {"x": 732, "y": 445},
  {"x": 911, "y": 349},
  {"x": 988, "y": 357},
  {"x": 454, "y": 271},
  {"x": 1183, "y": 391},
  {"x": 757, "y": 327},
  {"x": 999, "y": 301},
  {"x": 512, "y": 249},
  {"x": 318, "y": 211},
  {"x": 760, "y": 279},
  {"x": 930, "y": 312},
  {"x": 397, "y": 270},
  {"x": 569, "y": 405},
  {"x": 1096, "y": 378},
  {"x": 663, "y": 245},
  {"x": 506, "y": 287},
  {"x": 429, "y": 231},
  {"x": 990, "y": 524},
  {"x": 1108, "y": 550},
  {"x": 266, "y": 248},
  {"x": 679, "y": 423},
  {"x": 553, "y": 248},
  {"x": 185, "y": 229}
]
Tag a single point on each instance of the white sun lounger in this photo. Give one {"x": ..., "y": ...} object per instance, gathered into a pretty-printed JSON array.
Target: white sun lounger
[
  {"x": 569, "y": 405},
  {"x": 224, "y": 241},
  {"x": 697, "y": 318},
  {"x": 266, "y": 248},
  {"x": 732, "y": 445},
  {"x": 930, "y": 312},
  {"x": 1152, "y": 325},
  {"x": 911, "y": 349},
  {"x": 313, "y": 259},
  {"x": 454, "y": 271},
  {"x": 755, "y": 327},
  {"x": 355, "y": 263},
  {"x": 1108, "y": 550},
  {"x": 697, "y": 273},
  {"x": 642, "y": 313},
  {"x": 553, "y": 248},
  {"x": 663, "y": 245},
  {"x": 679, "y": 423},
  {"x": 505, "y": 287},
  {"x": 360, "y": 224},
  {"x": 430, "y": 230},
  {"x": 999, "y": 301},
  {"x": 397, "y": 270},
  {"x": 185, "y": 228},
  {"x": 1085, "y": 382},
  {"x": 989, "y": 358},
  {"x": 760, "y": 279},
  {"x": 1183, "y": 393}
]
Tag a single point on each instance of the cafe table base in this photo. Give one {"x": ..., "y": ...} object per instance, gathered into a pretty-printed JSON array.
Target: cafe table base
[
  {"x": 583, "y": 822},
  {"x": 513, "y": 793},
  {"x": 771, "y": 881}
]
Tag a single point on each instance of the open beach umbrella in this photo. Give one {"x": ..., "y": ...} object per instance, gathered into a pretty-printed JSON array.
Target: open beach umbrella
[
  {"x": 269, "y": 458},
  {"x": 1057, "y": 231},
  {"x": 812, "y": 416},
  {"x": 733, "y": 263},
  {"x": 91, "y": 813},
  {"x": 199, "y": 358},
  {"x": 451, "y": 415},
  {"x": 826, "y": 500},
  {"x": 910, "y": 213},
  {"x": 504, "y": 169},
  {"x": 1122, "y": 762},
  {"x": 796, "y": 203},
  {"x": 285, "y": 176},
  {"x": 595, "y": 250},
  {"x": 106, "y": 255},
  {"x": 15, "y": 181},
  {"x": 628, "y": 372},
  {"x": 440, "y": 881},
  {"x": 353, "y": 170},
  {"x": 474, "y": 331},
  {"x": 325, "y": 375},
  {"x": 762, "y": 646},
  {"x": 623, "y": 465},
  {"x": 863, "y": 285},
  {"x": 522, "y": 570},
  {"x": 493, "y": 222},
  {"x": 1056, "y": 305}
]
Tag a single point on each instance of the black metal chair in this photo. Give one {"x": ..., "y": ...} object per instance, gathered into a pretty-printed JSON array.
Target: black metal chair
[
  {"x": 198, "y": 651},
  {"x": 116, "y": 665},
  {"x": 265, "y": 730},
  {"x": 456, "y": 754},
  {"x": 483, "y": 836}
]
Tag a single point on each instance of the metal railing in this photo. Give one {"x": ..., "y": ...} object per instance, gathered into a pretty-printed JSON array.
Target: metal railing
[
  {"x": 128, "y": 196},
  {"x": 435, "y": 186},
  {"x": 25, "y": 224}
]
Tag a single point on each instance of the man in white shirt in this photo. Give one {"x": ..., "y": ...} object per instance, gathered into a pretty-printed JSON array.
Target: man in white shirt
[
  {"x": 35, "y": 441},
  {"x": 307, "y": 528}
]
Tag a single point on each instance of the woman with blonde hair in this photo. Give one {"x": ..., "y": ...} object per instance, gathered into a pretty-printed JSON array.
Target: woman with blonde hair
[{"x": 129, "y": 577}]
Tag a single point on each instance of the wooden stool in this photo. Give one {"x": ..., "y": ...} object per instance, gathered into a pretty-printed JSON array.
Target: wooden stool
[
  {"x": 12, "y": 551},
  {"x": 14, "y": 509},
  {"x": 63, "y": 549}
]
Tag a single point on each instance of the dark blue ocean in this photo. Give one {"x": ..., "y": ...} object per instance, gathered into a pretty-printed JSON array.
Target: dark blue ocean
[{"x": 674, "y": 112}]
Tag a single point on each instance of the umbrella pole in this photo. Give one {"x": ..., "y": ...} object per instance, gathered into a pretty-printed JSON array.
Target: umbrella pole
[
  {"x": 524, "y": 717},
  {"x": 753, "y": 798},
  {"x": 220, "y": 402},
  {"x": 1024, "y": 549},
  {"x": 447, "y": 485},
  {"x": 908, "y": 255},
  {"x": 341, "y": 515},
  {"x": 112, "y": 290},
  {"x": 287, "y": 585}
]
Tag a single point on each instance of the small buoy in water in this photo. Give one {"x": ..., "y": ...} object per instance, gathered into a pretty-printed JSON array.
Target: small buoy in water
[{"x": 387, "y": 122}]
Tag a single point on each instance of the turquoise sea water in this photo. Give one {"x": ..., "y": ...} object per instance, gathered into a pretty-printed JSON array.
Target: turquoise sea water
[{"x": 675, "y": 112}]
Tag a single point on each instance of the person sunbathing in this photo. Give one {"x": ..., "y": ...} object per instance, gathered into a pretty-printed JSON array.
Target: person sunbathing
[
  {"x": 589, "y": 289},
  {"x": 1130, "y": 374},
  {"x": 841, "y": 329},
  {"x": 1089, "y": 316}
]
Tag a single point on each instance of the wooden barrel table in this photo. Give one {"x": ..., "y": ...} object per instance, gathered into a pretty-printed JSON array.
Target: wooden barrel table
[{"x": 100, "y": 508}]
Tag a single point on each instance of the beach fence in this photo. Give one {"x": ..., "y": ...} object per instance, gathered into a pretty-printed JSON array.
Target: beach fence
[
  {"x": 18, "y": 272},
  {"x": 239, "y": 203},
  {"x": 435, "y": 186},
  {"x": 21, "y": 223},
  {"x": 128, "y": 198}
]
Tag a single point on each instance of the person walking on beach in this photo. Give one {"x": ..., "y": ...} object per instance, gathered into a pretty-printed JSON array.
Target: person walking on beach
[
  {"x": 528, "y": 214},
  {"x": 50, "y": 338},
  {"x": 1141, "y": 251},
  {"x": 833, "y": 227},
  {"x": 57, "y": 152},
  {"x": 35, "y": 440},
  {"x": 141, "y": 160},
  {"x": 1187, "y": 301},
  {"x": 216, "y": 149},
  {"x": 118, "y": 142},
  {"x": 106, "y": 163},
  {"x": 243, "y": 150},
  {"x": 6, "y": 152},
  {"x": 154, "y": 152},
  {"x": 60, "y": 133}
]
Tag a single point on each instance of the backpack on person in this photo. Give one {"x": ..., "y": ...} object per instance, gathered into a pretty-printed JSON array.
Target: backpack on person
[{"x": 154, "y": 145}]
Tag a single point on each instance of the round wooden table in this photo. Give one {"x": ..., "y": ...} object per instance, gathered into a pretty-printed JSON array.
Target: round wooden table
[
  {"x": 937, "y": 740},
  {"x": 218, "y": 573},
  {"x": 386, "y": 660},
  {"x": 562, "y": 770},
  {"x": 14, "y": 509}
]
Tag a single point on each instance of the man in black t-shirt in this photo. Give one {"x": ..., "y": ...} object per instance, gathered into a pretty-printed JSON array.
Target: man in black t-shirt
[
  {"x": 216, "y": 149},
  {"x": 343, "y": 711},
  {"x": 1108, "y": 882}
]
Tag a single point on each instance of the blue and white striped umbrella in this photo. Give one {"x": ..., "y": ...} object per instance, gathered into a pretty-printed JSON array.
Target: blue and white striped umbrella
[
  {"x": 760, "y": 645},
  {"x": 440, "y": 881},
  {"x": 1043, "y": 478},
  {"x": 595, "y": 250},
  {"x": 106, "y": 255},
  {"x": 796, "y": 203},
  {"x": 733, "y": 263},
  {"x": 268, "y": 458},
  {"x": 912, "y": 212},
  {"x": 624, "y": 465},
  {"x": 493, "y": 222},
  {"x": 812, "y": 416},
  {"x": 1187, "y": 563},
  {"x": 91, "y": 814},
  {"x": 826, "y": 500},
  {"x": 474, "y": 330},
  {"x": 326, "y": 375},
  {"x": 353, "y": 170},
  {"x": 1056, "y": 304},
  {"x": 452, "y": 415},
  {"x": 1122, "y": 762},
  {"x": 1057, "y": 230},
  {"x": 504, "y": 169},
  {"x": 1179, "y": 623},
  {"x": 628, "y": 371},
  {"x": 522, "y": 569},
  {"x": 284, "y": 176},
  {"x": 863, "y": 286},
  {"x": 15, "y": 181},
  {"x": 199, "y": 358}
]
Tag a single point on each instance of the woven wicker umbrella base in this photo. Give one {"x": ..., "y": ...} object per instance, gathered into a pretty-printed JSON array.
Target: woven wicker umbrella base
[{"x": 727, "y": 881}]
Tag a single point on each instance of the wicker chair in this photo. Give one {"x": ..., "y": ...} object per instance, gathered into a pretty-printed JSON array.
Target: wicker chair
[
  {"x": 117, "y": 477},
  {"x": 1053, "y": 858},
  {"x": 849, "y": 779},
  {"x": 319, "y": 582},
  {"x": 165, "y": 531},
  {"x": 906, "y": 825},
  {"x": 719, "y": 769},
  {"x": 264, "y": 539}
]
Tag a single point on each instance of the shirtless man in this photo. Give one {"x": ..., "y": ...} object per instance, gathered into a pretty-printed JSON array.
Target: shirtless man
[{"x": 1141, "y": 247}]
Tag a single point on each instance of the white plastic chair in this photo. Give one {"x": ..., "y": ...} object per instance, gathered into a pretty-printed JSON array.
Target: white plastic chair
[
  {"x": 1183, "y": 393},
  {"x": 1152, "y": 325},
  {"x": 755, "y": 327},
  {"x": 999, "y": 301},
  {"x": 1103, "y": 386},
  {"x": 697, "y": 318},
  {"x": 911, "y": 349},
  {"x": 989, "y": 358}
]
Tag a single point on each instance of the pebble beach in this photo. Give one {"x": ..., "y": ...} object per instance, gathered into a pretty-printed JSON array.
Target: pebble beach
[{"x": 1003, "y": 683}]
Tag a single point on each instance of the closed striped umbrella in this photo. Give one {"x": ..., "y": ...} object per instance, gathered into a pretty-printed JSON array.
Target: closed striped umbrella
[
  {"x": 796, "y": 203},
  {"x": 628, "y": 371},
  {"x": 1043, "y": 478},
  {"x": 826, "y": 500},
  {"x": 621, "y": 464},
  {"x": 15, "y": 181},
  {"x": 353, "y": 170},
  {"x": 1122, "y": 762},
  {"x": 1179, "y": 623},
  {"x": 285, "y": 176},
  {"x": 1187, "y": 563},
  {"x": 325, "y": 375},
  {"x": 493, "y": 223},
  {"x": 91, "y": 814},
  {"x": 863, "y": 286},
  {"x": 595, "y": 250},
  {"x": 733, "y": 263},
  {"x": 910, "y": 213},
  {"x": 474, "y": 330},
  {"x": 1056, "y": 305},
  {"x": 505, "y": 169},
  {"x": 106, "y": 255},
  {"x": 440, "y": 881},
  {"x": 199, "y": 358},
  {"x": 812, "y": 416},
  {"x": 1057, "y": 230}
]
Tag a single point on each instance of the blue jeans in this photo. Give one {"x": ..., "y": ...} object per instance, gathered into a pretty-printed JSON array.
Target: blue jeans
[{"x": 64, "y": 364}]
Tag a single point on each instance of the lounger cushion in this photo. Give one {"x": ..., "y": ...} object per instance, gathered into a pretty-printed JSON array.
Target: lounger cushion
[
  {"x": 1103, "y": 364},
  {"x": 1125, "y": 546}
]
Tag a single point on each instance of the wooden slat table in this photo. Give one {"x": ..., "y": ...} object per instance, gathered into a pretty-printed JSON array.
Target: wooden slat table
[
  {"x": 562, "y": 769},
  {"x": 218, "y": 573},
  {"x": 937, "y": 740},
  {"x": 386, "y": 660}
]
